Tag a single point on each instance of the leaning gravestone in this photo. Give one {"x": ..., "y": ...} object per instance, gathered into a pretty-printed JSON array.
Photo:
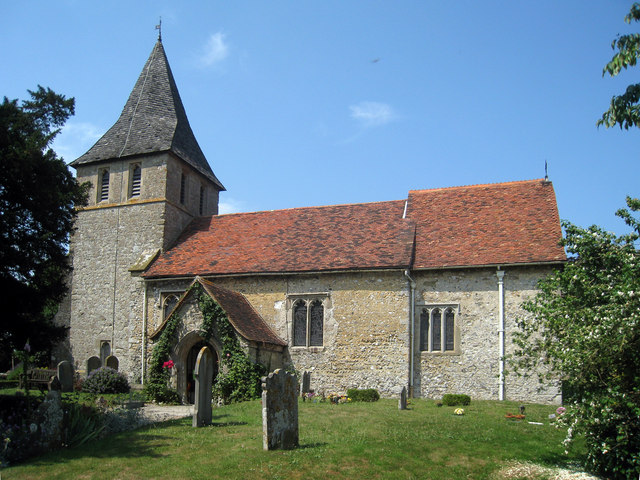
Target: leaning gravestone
[
  {"x": 112, "y": 362},
  {"x": 402, "y": 403},
  {"x": 204, "y": 379},
  {"x": 279, "y": 411},
  {"x": 306, "y": 383},
  {"x": 65, "y": 375},
  {"x": 93, "y": 363},
  {"x": 54, "y": 385}
]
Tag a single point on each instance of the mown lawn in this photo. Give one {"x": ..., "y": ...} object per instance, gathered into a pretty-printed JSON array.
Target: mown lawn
[{"x": 355, "y": 440}]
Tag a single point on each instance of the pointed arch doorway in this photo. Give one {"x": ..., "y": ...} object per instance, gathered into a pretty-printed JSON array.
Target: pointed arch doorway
[{"x": 190, "y": 364}]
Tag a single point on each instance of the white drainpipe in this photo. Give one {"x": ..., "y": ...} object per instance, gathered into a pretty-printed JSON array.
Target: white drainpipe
[
  {"x": 500, "y": 275},
  {"x": 412, "y": 328}
]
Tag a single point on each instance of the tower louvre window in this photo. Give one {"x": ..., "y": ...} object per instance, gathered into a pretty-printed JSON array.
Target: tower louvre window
[
  {"x": 136, "y": 180},
  {"x": 104, "y": 186}
]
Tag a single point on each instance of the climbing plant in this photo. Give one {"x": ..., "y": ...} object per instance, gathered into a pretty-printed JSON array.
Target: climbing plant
[
  {"x": 157, "y": 387},
  {"x": 239, "y": 378}
]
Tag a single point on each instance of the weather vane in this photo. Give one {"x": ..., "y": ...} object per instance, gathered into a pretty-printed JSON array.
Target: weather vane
[{"x": 159, "y": 28}]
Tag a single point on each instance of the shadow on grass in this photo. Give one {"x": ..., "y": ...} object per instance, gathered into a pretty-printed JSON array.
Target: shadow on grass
[
  {"x": 306, "y": 446},
  {"x": 109, "y": 447}
]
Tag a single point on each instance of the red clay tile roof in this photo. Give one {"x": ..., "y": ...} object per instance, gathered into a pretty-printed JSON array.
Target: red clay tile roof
[
  {"x": 496, "y": 224},
  {"x": 333, "y": 238},
  {"x": 242, "y": 316},
  {"x": 504, "y": 223}
]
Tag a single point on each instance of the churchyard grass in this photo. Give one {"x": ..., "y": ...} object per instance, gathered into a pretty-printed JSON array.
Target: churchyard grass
[{"x": 354, "y": 440}]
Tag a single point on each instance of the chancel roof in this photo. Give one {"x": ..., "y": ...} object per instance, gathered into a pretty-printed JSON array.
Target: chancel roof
[
  {"x": 153, "y": 120},
  {"x": 480, "y": 225},
  {"x": 495, "y": 224}
]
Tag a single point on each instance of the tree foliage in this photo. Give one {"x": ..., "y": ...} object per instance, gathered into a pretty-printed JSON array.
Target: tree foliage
[
  {"x": 585, "y": 330},
  {"x": 624, "y": 109},
  {"x": 38, "y": 196}
]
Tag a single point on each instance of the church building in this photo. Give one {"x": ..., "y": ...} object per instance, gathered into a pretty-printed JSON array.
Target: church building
[{"x": 422, "y": 292}]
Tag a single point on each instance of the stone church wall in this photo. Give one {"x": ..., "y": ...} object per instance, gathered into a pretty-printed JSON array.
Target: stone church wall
[
  {"x": 366, "y": 328},
  {"x": 473, "y": 369}
]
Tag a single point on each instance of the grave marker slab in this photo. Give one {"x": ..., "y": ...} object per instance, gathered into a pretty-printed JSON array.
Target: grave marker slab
[
  {"x": 279, "y": 411},
  {"x": 402, "y": 402},
  {"x": 204, "y": 379},
  {"x": 112, "y": 362},
  {"x": 306, "y": 383},
  {"x": 65, "y": 375},
  {"x": 93, "y": 363}
]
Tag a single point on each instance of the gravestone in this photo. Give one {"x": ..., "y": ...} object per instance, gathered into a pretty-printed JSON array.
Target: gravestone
[
  {"x": 279, "y": 411},
  {"x": 65, "y": 375},
  {"x": 203, "y": 374},
  {"x": 93, "y": 363},
  {"x": 402, "y": 403},
  {"x": 112, "y": 362},
  {"x": 306, "y": 383},
  {"x": 54, "y": 385}
]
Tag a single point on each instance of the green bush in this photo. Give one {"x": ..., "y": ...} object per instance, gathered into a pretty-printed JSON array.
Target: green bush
[
  {"x": 159, "y": 392},
  {"x": 105, "y": 380},
  {"x": 453, "y": 400},
  {"x": 363, "y": 395},
  {"x": 240, "y": 380}
]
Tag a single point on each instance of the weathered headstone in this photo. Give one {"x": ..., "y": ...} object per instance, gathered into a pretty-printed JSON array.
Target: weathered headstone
[
  {"x": 204, "y": 379},
  {"x": 402, "y": 402},
  {"x": 93, "y": 363},
  {"x": 65, "y": 375},
  {"x": 54, "y": 384},
  {"x": 306, "y": 383},
  {"x": 279, "y": 411},
  {"x": 112, "y": 362}
]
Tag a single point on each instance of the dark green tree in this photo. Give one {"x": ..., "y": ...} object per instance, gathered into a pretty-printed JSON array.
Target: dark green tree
[
  {"x": 584, "y": 329},
  {"x": 624, "y": 110},
  {"x": 38, "y": 197}
]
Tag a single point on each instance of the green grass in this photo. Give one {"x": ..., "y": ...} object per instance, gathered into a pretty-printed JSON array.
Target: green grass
[{"x": 356, "y": 440}]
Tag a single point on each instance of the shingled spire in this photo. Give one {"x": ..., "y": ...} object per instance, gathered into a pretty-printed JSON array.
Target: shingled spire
[{"x": 153, "y": 120}]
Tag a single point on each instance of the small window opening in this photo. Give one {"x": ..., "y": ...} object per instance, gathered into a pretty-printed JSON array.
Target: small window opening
[
  {"x": 136, "y": 180},
  {"x": 201, "y": 208},
  {"x": 104, "y": 186},
  {"x": 183, "y": 185}
]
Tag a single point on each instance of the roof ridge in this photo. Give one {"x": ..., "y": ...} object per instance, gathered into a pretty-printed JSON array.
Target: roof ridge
[
  {"x": 479, "y": 185},
  {"x": 313, "y": 207}
]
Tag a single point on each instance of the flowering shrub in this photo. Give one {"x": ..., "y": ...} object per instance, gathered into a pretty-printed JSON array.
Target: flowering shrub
[
  {"x": 337, "y": 398},
  {"x": 583, "y": 325},
  {"x": 106, "y": 380}
]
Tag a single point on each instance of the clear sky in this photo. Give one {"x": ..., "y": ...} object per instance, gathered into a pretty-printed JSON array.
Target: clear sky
[{"x": 300, "y": 103}]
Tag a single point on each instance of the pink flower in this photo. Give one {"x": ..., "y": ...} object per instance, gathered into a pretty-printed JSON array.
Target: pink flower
[{"x": 168, "y": 364}]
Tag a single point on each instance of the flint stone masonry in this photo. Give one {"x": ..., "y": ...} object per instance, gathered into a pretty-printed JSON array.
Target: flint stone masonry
[
  {"x": 279, "y": 411},
  {"x": 203, "y": 374}
]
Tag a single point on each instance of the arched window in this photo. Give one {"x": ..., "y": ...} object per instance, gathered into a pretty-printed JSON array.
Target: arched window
[
  {"x": 307, "y": 318},
  {"x": 438, "y": 328},
  {"x": 316, "y": 319},
  {"x": 300, "y": 324},
  {"x": 105, "y": 351},
  {"x": 168, "y": 304}
]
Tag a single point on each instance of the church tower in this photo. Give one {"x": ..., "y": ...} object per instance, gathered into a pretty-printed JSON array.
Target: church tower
[{"x": 149, "y": 179}]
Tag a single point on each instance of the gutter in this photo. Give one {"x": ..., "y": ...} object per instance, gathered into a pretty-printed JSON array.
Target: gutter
[{"x": 412, "y": 328}]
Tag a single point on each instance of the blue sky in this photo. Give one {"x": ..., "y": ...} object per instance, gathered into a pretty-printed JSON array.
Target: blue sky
[{"x": 314, "y": 103}]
